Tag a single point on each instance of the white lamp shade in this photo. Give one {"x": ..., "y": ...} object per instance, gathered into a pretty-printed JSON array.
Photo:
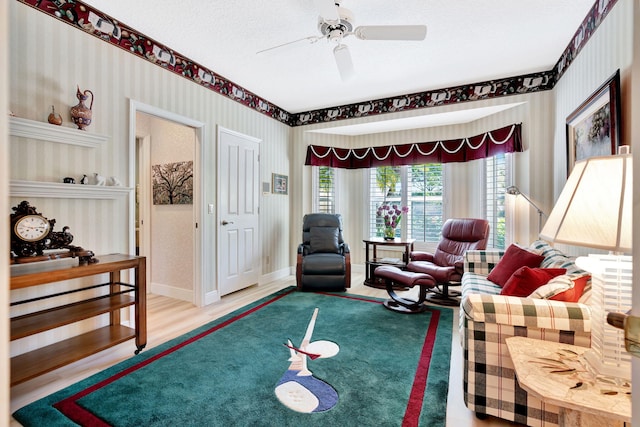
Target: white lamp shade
[{"x": 595, "y": 206}]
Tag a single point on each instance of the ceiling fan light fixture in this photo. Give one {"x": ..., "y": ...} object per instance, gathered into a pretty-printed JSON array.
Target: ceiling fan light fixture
[
  {"x": 343, "y": 24},
  {"x": 336, "y": 35},
  {"x": 336, "y": 23}
]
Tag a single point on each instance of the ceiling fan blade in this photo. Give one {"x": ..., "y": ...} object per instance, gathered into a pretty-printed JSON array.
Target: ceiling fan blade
[
  {"x": 391, "y": 32},
  {"x": 327, "y": 9},
  {"x": 343, "y": 61},
  {"x": 311, "y": 39}
]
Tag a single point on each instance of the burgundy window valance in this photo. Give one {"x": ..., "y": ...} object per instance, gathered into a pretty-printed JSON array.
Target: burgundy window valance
[{"x": 504, "y": 140}]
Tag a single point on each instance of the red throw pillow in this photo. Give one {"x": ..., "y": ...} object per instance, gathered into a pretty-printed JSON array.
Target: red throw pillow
[
  {"x": 525, "y": 280},
  {"x": 514, "y": 258},
  {"x": 573, "y": 294}
]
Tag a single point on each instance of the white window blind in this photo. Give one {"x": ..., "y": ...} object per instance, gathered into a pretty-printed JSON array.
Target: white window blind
[
  {"x": 325, "y": 200},
  {"x": 496, "y": 181},
  {"x": 425, "y": 202}
]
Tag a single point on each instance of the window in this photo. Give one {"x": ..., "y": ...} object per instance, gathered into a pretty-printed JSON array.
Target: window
[
  {"x": 419, "y": 187},
  {"x": 496, "y": 181},
  {"x": 325, "y": 199},
  {"x": 425, "y": 202}
]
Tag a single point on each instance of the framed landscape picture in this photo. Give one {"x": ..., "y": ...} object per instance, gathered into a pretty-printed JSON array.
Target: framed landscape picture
[{"x": 593, "y": 129}]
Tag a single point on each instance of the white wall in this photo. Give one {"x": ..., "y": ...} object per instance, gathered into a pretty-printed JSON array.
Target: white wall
[
  {"x": 4, "y": 207},
  {"x": 42, "y": 76}
]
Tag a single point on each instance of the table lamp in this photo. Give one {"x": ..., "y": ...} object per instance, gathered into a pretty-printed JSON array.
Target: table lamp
[{"x": 595, "y": 210}]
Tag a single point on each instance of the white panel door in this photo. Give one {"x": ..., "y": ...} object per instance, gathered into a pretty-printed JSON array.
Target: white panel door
[{"x": 238, "y": 214}]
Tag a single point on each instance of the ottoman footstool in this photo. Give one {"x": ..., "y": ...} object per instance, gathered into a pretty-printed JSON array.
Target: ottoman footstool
[{"x": 409, "y": 279}]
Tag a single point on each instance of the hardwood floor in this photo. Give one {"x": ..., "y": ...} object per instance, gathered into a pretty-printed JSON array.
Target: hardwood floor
[{"x": 168, "y": 318}]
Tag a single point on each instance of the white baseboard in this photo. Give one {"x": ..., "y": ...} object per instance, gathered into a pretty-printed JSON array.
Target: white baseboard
[
  {"x": 171, "y": 291},
  {"x": 211, "y": 297},
  {"x": 276, "y": 275},
  {"x": 357, "y": 268}
]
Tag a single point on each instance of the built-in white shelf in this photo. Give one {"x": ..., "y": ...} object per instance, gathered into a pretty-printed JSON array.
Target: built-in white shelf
[
  {"x": 66, "y": 191},
  {"x": 47, "y": 132}
]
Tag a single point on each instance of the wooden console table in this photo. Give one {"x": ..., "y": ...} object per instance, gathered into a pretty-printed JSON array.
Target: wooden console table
[
  {"x": 37, "y": 362},
  {"x": 372, "y": 262}
]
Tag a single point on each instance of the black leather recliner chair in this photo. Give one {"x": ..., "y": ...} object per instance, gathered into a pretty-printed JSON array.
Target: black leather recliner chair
[{"x": 323, "y": 261}]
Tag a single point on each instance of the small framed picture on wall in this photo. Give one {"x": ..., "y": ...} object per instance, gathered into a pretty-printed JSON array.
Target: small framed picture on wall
[{"x": 279, "y": 184}]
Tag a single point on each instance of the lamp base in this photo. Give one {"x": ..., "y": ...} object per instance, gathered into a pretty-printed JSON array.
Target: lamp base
[{"x": 611, "y": 284}]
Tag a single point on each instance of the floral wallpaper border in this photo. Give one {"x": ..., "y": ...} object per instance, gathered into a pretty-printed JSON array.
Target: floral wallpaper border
[
  {"x": 100, "y": 25},
  {"x": 110, "y": 30},
  {"x": 589, "y": 25}
]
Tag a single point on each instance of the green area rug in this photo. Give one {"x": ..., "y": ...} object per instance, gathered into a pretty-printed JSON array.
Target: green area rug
[{"x": 290, "y": 359}]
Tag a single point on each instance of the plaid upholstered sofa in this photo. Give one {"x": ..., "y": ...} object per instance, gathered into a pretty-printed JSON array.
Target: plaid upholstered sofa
[{"x": 488, "y": 318}]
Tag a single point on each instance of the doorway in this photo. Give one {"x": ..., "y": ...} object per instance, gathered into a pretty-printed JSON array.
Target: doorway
[{"x": 167, "y": 229}]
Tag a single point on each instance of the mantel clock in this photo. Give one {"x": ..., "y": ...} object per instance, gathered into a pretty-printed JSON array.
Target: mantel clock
[{"x": 32, "y": 234}]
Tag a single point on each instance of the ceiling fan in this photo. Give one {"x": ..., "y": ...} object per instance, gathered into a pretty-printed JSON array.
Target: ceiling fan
[{"x": 336, "y": 22}]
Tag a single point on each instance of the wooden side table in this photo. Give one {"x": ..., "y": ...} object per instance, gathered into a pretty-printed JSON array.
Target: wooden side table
[
  {"x": 374, "y": 261},
  {"x": 582, "y": 401},
  {"x": 118, "y": 295}
]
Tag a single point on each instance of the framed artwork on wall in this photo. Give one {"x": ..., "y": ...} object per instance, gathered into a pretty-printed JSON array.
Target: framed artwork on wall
[
  {"x": 593, "y": 129},
  {"x": 173, "y": 183},
  {"x": 279, "y": 184}
]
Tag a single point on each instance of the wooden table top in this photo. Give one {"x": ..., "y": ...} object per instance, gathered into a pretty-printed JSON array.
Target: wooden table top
[{"x": 37, "y": 273}]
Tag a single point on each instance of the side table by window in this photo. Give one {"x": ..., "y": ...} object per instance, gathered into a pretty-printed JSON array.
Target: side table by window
[
  {"x": 372, "y": 260},
  {"x": 582, "y": 401}
]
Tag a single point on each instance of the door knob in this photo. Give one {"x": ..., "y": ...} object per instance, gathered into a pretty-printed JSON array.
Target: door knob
[{"x": 225, "y": 222}]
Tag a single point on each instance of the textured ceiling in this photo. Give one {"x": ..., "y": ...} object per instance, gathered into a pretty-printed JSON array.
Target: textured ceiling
[{"x": 467, "y": 42}]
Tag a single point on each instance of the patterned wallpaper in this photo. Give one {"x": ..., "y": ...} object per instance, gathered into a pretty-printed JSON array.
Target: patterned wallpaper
[
  {"x": 94, "y": 22},
  {"x": 49, "y": 59},
  {"x": 104, "y": 27}
]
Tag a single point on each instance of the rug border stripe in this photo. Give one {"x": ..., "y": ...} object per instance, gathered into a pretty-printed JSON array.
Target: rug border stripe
[
  {"x": 70, "y": 408},
  {"x": 416, "y": 397},
  {"x": 76, "y": 413}
]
